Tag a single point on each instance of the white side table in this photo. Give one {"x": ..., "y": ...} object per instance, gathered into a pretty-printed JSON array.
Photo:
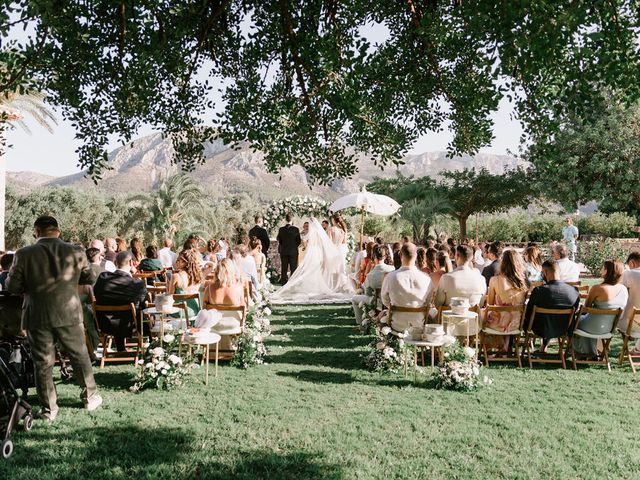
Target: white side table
[
  {"x": 162, "y": 315},
  {"x": 420, "y": 344},
  {"x": 206, "y": 341},
  {"x": 450, "y": 319}
]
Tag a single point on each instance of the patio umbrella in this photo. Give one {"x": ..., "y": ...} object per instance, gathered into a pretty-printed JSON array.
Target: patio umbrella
[{"x": 366, "y": 202}]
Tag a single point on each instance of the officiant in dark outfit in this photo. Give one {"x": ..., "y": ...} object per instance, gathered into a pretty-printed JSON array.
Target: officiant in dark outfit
[
  {"x": 288, "y": 242},
  {"x": 259, "y": 232}
]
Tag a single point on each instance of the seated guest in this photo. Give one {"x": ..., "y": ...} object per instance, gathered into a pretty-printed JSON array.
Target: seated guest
[
  {"x": 167, "y": 256},
  {"x": 610, "y": 294},
  {"x": 465, "y": 281},
  {"x": 406, "y": 287},
  {"x": 631, "y": 280},
  {"x": 569, "y": 271},
  {"x": 211, "y": 250},
  {"x": 186, "y": 279},
  {"x": 121, "y": 245},
  {"x": 136, "y": 250},
  {"x": 151, "y": 263},
  {"x": 222, "y": 249},
  {"x": 397, "y": 258},
  {"x": 506, "y": 289},
  {"x": 5, "y": 263},
  {"x": 94, "y": 257},
  {"x": 366, "y": 263},
  {"x": 110, "y": 247},
  {"x": 533, "y": 264},
  {"x": 247, "y": 268},
  {"x": 373, "y": 281},
  {"x": 553, "y": 294},
  {"x": 478, "y": 256},
  {"x": 492, "y": 262},
  {"x": 421, "y": 261},
  {"x": 119, "y": 288},
  {"x": 107, "y": 265},
  {"x": 227, "y": 287},
  {"x": 442, "y": 264}
]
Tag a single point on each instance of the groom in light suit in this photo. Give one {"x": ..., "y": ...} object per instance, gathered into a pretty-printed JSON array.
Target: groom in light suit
[{"x": 288, "y": 242}]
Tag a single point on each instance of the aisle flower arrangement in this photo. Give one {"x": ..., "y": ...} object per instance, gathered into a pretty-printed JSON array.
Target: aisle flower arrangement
[
  {"x": 460, "y": 369},
  {"x": 300, "y": 206},
  {"x": 163, "y": 366},
  {"x": 387, "y": 348},
  {"x": 250, "y": 347}
]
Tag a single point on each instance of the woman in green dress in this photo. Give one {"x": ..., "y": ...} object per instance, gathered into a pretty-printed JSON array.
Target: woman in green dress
[
  {"x": 152, "y": 264},
  {"x": 186, "y": 278}
]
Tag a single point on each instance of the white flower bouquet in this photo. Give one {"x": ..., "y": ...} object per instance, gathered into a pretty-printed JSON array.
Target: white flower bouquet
[
  {"x": 161, "y": 367},
  {"x": 250, "y": 347},
  {"x": 460, "y": 369}
]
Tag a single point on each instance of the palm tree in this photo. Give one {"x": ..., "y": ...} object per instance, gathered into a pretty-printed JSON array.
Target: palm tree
[
  {"x": 14, "y": 107},
  {"x": 168, "y": 208},
  {"x": 421, "y": 214}
]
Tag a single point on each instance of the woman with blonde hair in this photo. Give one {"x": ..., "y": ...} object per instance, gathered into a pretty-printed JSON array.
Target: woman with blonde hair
[
  {"x": 506, "y": 289},
  {"x": 227, "y": 287}
]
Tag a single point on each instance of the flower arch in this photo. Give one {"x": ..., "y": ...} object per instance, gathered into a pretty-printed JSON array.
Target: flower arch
[{"x": 298, "y": 205}]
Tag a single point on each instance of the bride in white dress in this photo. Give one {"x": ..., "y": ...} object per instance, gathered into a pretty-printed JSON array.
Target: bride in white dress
[{"x": 321, "y": 277}]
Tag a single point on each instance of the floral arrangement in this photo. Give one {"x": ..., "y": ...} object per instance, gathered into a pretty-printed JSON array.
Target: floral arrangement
[
  {"x": 162, "y": 367},
  {"x": 250, "y": 347},
  {"x": 299, "y": 205},
  {"x": 387, "y": 348},
  {"x": 351, "y": 247},
  {"x": 460, "y": 369}
]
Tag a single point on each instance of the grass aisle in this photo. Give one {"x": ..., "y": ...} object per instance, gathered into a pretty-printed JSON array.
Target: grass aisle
[{"x": 313, "y": 413}]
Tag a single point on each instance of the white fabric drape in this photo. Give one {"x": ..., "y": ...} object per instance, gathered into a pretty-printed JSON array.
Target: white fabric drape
[{"x": 321, "y": 277}]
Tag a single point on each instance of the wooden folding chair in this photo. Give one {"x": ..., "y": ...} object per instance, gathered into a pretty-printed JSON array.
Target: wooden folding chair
[
  {"x": 574, "y": 284},
  {"x": 106, "y": 339},
  {"x": 530, "y": 337},
  {"x": 514, "y": 335},
  {"x": 228, "y": 353},
  {"x": 441, "y": 308},
  {"x": 395, "y": 308},
  {"x": 153, "y": 291},
  {"x": 631, "y": 333},
  {"x": 160, "y": 284},
  {"x": 180, "y": 301},
  {"x": 605, "y": 338}
]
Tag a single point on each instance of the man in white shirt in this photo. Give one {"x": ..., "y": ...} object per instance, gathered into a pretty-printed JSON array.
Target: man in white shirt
[
  {"x": 165, "y": 255},
  {"x": 631, "y": 280},
  {"x": 107, "y": 265},
  {"x": 406, "y": 287},
  {"x": 465, "y": 281},
  {"x": 569, "y": 270},
  {"x": 372, "y": 282}
]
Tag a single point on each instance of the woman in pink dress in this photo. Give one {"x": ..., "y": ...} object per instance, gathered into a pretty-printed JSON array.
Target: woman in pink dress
[{"x": 507, "y": 289}]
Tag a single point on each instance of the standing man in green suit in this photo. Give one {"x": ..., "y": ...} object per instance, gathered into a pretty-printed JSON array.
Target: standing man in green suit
[{"x": 48, "y": 274}]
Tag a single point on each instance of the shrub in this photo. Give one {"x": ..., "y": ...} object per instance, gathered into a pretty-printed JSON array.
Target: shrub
[
  {"x": 615, "y": 225},
  {"x": 593, "y": 254}
]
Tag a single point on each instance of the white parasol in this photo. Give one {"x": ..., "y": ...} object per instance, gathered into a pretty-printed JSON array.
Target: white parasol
[{"x": 366, "y": 202}]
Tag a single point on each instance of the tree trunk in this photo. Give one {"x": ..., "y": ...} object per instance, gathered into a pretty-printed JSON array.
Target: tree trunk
[
  {"x": 3, "y": 172},
  {"x": 462, "y": 221}
]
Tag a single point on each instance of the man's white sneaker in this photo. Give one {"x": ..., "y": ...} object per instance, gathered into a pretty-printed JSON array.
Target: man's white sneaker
[{"x": 93, "y": 403}]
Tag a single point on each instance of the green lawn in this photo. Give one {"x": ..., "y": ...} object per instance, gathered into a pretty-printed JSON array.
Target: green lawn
[{"x": 313, "y": 412}]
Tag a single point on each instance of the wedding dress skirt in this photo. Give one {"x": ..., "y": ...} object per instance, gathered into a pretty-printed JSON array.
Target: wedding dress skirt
[{"x": 321, "y": 277}]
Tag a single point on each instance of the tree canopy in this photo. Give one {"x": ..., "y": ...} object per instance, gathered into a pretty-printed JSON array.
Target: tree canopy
[
  {"x": 593, "y": 159},
  {"x": 459, "y": 194},
  {"x": 303, "y": 81}
]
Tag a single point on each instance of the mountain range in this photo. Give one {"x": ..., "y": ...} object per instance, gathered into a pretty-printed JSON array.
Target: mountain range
[{"x": 142, "y": 164}]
